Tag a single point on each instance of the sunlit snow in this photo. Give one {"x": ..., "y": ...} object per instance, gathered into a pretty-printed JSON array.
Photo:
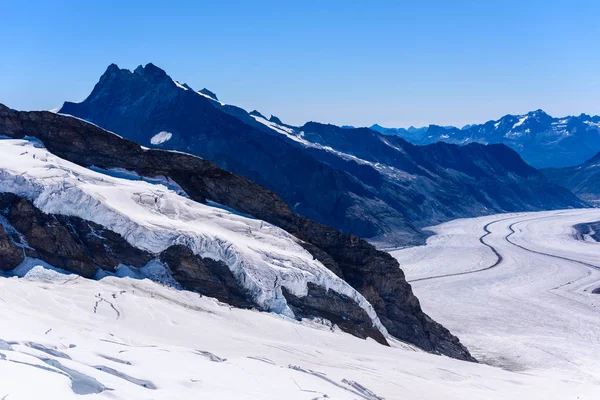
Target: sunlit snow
[
  {"x": 528, "y": 308},
  {"x": 161, "y": 137},
  {"x": 69, "y": 338},
  {"x": 151, "y": 217}
]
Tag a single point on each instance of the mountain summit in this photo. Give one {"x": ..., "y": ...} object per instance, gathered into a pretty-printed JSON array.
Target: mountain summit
[{"x": 354, "y": 179}]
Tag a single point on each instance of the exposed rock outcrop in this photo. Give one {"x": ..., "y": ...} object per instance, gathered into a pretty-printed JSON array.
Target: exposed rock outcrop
[
  {"x": 335, "y": 307},
  {"x": 203, "y": 275},
  {"x": 66, "y": 242},
  {"x": 591, "y": 229},
  {"x": 11, "y": 254}
]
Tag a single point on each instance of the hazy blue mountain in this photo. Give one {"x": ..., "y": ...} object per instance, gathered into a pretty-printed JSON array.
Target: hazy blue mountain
[
  {"x": 542, "y": 140},
  {"x": 583, "y": 179}
]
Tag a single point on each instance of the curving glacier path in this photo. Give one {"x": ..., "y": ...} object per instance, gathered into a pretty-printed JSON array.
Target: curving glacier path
[{"x": 517, "y": 289}]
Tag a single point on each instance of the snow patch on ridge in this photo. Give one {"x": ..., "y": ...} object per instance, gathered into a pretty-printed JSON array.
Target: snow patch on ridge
[
  {"x": 262, "y": 257},
  {"x": 520, "y": 122},
  {"x": 161, "y": 137},
  {"x": 179, "y": 85},
  {"x": 210, "y": 98}
]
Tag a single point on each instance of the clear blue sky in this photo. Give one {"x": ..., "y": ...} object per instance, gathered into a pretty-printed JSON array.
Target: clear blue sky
[{"x": 396, "y": 63}]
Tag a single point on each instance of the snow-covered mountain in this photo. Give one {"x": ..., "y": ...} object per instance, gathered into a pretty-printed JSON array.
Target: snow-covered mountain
[
  {"x": 542, "y": 140},
  {"x": 90, "y": 202},
  {"x": 359, "y": 181},
  {"x": 264, "y": 260}
]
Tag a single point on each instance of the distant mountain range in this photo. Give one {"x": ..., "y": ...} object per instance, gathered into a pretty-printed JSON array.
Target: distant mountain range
[
  {"x": 542, "y": 140},
  {"x": 360, "y": 181}
]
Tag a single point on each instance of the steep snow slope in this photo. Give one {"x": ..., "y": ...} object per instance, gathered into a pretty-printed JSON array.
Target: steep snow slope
[
  {"x": 151, "y": 217},
  {"x": 519, "y": 296},
  {"x": 124, "y": 339}
]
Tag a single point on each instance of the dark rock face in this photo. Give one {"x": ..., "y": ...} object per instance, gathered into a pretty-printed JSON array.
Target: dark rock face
[
  {"x": 583, "y": 180},
  {"x": 256, "y": 114},
  {"x": 11, "y": 254},
  {"x": 206, "y": 276},
  {"x": 395, "y": 189},
  {"x": 590, "y": 228},
  {"x": 376, "y": 275},
  {"x": 276, "y": 120},
  {"x": 542, "y": 141},
  {"x": 335, "y": 307},
  {"x": 69, "y": 243}
]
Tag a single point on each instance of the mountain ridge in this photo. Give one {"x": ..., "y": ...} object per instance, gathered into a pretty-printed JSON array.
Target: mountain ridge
[
  {"x": 582, "y": 179},
  {"x": 354, "y": 179},
  {"x": 542, "y": 140}
]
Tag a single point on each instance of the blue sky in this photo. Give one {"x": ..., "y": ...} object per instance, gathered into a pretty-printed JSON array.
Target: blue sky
[{"x": 396, "y": 63}]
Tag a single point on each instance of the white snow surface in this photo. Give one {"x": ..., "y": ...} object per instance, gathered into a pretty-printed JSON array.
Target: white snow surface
[
  {"x": 161, "y": 137},
  {"x": 179, "y": 85},
  {"x": 533, "y": 312},
  {"x": 262, "y": 257},
  {"x": 127, "y": 339},
  {"x": 520, "y": 122},
  {"x": 126, "y": 174}
]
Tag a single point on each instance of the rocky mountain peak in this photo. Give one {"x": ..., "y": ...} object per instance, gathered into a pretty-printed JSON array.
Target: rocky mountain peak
[
  {"x": 539, "y": 113},
  {"x": 209, "y": 93},
  {"x": 257, "y": 114},
  {"x": 275, "y": 120},
  {"x": 152, "y": 72}
]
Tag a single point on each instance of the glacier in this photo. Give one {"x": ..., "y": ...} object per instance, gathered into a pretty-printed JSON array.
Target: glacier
[{"x": 152, "y": 217}]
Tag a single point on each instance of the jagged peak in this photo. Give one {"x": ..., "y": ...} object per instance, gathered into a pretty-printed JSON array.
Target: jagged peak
[
  {"x": 139, "y": 70},
  {"x": 150, "y": 72},
  {"x": 275, "y": 120},
  {"x": 153, "y": 72},
  {"x": 584, "y": 116},
  {"x": 113, "y": 68},
  {"x": 537, "y": 113},
  {"x": 209, "y": 93},
  {"x": 257, "y": 114}
]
